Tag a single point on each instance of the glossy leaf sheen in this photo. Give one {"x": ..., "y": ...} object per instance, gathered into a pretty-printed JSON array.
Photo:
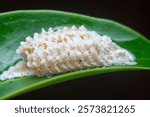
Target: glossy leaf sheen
[{"x": 15, "y": 26}]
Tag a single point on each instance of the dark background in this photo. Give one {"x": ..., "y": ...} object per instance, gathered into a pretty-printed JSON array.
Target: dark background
[{"x": 121, "y": 85}]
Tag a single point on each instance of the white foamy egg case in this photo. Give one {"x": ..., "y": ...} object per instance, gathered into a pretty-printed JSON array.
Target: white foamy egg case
[{"x": 69, "y": 49}]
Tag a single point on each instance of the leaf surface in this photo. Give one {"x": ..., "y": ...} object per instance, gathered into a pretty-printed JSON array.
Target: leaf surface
[{"x": 15, "y": 26}]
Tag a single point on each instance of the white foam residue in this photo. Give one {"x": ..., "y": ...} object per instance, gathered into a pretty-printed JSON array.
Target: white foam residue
[{"x": 18, "y": 70}]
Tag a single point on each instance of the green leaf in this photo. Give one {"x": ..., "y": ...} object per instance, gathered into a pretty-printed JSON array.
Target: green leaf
[{"x": 15, "y": 26}]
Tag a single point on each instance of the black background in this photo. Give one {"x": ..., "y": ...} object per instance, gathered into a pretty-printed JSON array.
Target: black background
[{"x": 120, "y": 85}]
